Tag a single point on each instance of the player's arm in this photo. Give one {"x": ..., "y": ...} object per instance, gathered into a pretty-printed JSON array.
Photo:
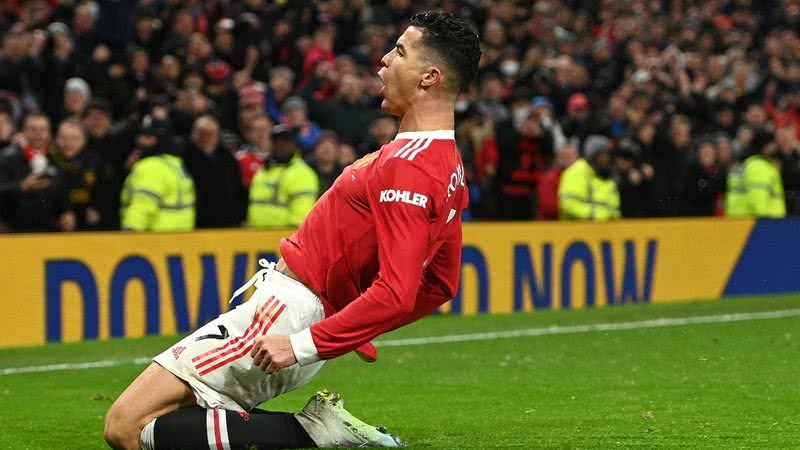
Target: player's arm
[
  {"x": 402, "y": 229},
  {"x": 440, "y": 279},
  {"x": 440, "y": 282},
  {"x": 439, "y": 285}
]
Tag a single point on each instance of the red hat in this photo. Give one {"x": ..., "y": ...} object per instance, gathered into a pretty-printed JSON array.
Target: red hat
[
  {"x": 578, "y": 100},
  {"x": 217, "y": 71}
]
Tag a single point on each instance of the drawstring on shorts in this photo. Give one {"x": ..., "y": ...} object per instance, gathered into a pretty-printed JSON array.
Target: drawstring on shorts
[{"x": 260, "y": 277}]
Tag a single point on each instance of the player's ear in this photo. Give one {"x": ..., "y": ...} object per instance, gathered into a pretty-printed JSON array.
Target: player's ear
[{"x": 431, "y": 76}]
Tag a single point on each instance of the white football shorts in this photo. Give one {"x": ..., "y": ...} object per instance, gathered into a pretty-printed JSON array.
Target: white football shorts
[{"x": 215, "y": 360}]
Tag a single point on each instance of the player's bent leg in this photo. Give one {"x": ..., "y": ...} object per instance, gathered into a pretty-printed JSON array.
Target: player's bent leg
[
  {"x": 215, "y": 360},
  {"x": 212, "y": 368},
  {"x": 322, "y": 423},
  {"x": 197, "y": 428},
  {"x": 152, "y": 394}
]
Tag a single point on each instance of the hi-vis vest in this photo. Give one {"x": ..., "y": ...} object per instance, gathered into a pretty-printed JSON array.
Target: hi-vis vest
[
  {"x": 736, "y": 195},
  {"x": 756, "y": 190},
  {"x": 582, "y": 195},
  {"x": 158, "y": 195},
  {"x": 282, "y": 195}
]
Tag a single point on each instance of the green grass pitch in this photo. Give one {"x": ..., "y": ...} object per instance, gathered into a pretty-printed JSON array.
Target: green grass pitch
[{"x": 712, "y": 385}]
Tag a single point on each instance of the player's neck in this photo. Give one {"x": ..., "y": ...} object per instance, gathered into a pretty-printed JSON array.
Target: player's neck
[{"x": 428, "y": 116}]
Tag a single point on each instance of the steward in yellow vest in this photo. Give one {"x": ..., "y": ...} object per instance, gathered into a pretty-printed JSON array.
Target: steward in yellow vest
[
  {"x": 586, "y": 190},
  {"x": 736, "y": 195},
  {"x": 158, "y": 194},
  {"x": 755, "y": 188},
  {"x": 284, "y": 191}
]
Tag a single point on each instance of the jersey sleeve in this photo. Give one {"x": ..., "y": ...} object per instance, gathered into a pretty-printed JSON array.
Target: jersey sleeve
[
  {"x": 401, "y": 197},
  {"x": 440, "y": 280}
]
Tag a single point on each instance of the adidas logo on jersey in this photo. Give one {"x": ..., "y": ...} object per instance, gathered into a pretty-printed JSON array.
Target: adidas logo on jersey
[{"x": 396, "y": 195}]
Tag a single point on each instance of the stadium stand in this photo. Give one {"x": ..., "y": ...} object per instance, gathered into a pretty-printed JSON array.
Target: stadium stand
[{"x": 679, "y": 87}]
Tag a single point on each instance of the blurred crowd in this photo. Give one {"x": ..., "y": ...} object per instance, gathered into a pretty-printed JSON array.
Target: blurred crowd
[{"x": 225, "y": 113}]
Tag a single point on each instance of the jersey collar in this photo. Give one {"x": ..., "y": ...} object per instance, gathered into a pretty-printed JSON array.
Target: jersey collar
[{"x": 438, "y": 134}]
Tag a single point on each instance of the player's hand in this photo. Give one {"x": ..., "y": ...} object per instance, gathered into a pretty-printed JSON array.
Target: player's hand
[{"x": 273, "y": 352}]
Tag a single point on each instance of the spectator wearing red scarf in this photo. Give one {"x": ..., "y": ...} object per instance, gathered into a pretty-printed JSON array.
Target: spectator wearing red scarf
[{"x": 32, "y": 197}]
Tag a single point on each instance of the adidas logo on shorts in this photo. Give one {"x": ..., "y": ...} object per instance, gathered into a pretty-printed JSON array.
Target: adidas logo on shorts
[{"x": 177, "y": 350}]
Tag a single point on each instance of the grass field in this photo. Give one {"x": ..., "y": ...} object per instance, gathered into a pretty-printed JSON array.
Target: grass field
[{"x": 729, "y": 384}]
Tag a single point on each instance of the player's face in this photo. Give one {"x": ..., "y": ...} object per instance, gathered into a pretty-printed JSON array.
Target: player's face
[{"x": 401, "y": 73}]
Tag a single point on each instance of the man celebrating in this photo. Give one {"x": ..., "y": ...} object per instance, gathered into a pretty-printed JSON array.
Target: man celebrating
[{"x": 380, "y": 249}]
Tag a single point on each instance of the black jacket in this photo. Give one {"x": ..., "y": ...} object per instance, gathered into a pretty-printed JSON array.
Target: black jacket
[
  {"x": 669, "y": 163},
  {"x": 113, "y": 150},
  {"x": 522, "y": 161},
  {"x": 34, "y": 210},
  {"x": 790, "y": 172},
  {"x": 701, "y": 189},
  {"x": 81, "y": 176},
  {"x": 633, "y": 198},
  {"x": 221, "y": 196}
]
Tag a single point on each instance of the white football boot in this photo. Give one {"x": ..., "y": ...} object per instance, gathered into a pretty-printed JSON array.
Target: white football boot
[{"x": 331, "y": 426}]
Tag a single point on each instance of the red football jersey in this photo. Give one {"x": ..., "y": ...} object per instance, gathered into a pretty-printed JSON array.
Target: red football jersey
[{"x": 382, "y": 247}]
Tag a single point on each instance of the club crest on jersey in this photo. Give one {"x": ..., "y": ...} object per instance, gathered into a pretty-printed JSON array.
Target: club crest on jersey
[{"x": 397, "y": 195}]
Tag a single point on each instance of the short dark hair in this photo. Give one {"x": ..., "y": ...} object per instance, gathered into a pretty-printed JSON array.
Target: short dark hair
[
  {"x": 452, "y": 42},
  {"x": 327, "y": 135},
  {"x": 99, "y": 104}
]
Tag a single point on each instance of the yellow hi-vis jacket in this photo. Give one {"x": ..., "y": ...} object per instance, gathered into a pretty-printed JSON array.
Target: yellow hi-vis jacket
[
  {"x": 282, "y": 195},
  {"x": 582, "y": 195},
  {"x": 736, "y": 195},
  {"x": 158, "y": 195},
  {"x": 764, "y": 187}
]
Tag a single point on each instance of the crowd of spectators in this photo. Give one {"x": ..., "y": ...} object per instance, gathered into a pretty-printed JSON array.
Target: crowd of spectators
[{"x": 679, "y": 87}]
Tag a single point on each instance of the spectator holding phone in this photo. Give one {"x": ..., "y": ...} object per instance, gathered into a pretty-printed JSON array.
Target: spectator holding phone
[{"x": 32, "y": 195}]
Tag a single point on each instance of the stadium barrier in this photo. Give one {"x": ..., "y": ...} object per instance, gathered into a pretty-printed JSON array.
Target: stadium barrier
[{"x": 69, "y": 287}]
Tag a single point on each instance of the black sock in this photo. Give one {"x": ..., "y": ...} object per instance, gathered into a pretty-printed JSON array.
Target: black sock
[{"x": 197, "y": 428}]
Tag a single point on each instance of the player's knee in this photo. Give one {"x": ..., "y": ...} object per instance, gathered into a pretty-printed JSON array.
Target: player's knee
[{"x": 119, "y": 431}]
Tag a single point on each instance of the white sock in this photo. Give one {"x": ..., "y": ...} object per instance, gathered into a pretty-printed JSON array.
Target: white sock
[{"x": 148, "y": 438}]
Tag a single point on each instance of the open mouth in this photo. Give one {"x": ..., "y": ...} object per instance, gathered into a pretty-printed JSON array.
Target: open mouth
[{"x": 383, "y": 88}]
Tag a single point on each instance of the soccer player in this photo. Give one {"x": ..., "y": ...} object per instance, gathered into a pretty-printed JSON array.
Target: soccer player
[{"x": 380, "y": 249}]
